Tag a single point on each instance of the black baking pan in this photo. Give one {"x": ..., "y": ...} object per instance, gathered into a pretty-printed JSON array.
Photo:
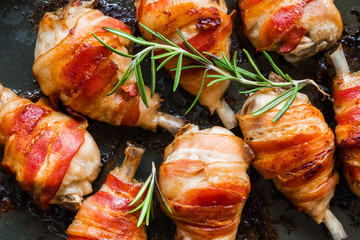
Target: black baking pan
[{"x": 267, "y": 214}]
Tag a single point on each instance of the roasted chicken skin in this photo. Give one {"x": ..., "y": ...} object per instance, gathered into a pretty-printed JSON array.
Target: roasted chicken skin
[
  {"x": 296, "y": 153},
  {"x": 104, "y": 215},
  {"x": 346, "y": 93},
  {"x": 71, "y": 65},
  {"x": 203, "y": 180},
  {"x": 297, "y": 29},
  {"x": 51, "y": 155},
  {"x": 207, "y": 27}
]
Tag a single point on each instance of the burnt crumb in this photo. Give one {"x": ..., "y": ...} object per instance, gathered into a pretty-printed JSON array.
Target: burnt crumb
[
  {"x": 41, "y": 7},
  {"x": 256, "y": 222},
  {"x": 34, "y": 95},
  {"x": 239, "y": 41},
  {"x": 11, "y": 195},
  {"x": 356, "y": 13},
  {"x": 115, "y": 10},
  {"x": 57, "y": 220},
  {"x": 351, "y": 46},
  {"x": 124, "y": 14},
  {"x": 355, "y": 219},
  {"x": 343, "y": 197}
]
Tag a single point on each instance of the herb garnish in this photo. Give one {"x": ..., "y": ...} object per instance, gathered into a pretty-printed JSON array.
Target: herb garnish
[
  {"x": 225, "y": 70},
  {"x": 147, "y": 205}
]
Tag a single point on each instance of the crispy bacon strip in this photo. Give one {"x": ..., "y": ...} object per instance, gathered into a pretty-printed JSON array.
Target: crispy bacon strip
[
  {"x": 206, "y": 26},
  {"x": 204, "y": 182},
  {"x": 71, "y": 65},
  {"x": 39, "y": 143},
  {"x": 104, "y": 215},
  {"x": 297, "y": 29},
  {"x": 346, "y": 92},
  {"x": 296, "y": 153}
]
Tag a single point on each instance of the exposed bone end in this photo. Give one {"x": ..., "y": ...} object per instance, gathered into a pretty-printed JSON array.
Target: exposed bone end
[
  {"x": 226, "y": 114},
  {"x": 170, "y": 123},
  {"x": 133, "y": 155},
  {"x": 335, "y": 227},
  {"x": 339, "y": 61},
  {"x": 70, "y": 202}
]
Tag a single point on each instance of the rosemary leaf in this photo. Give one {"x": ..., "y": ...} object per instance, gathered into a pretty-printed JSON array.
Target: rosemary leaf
[
  {"x": 251, "y": 60},
  {"x": 161, "y": 196},
  {"x": 149, "y": 30},
  {"x": 249, "y": 75},
  {"x": 137, "y": 208},
  {"x": 276, "y": 68},
  {"x": 148, "y": 200},
  {"x": 188, "y": 67},
  {"x": 144, "y": 53},
  {"x": 238, "y": 75},
  {"x": 287, "y": 104},
  {"x": 215, "y": 76},
  {"x": 191, "y": 48},
  {"x": 218, "y": 80},
  {"x": 273, "y": 103},
  {"x": 153, "y": 74},
  {"x": 167, "y": 60},
  {"x": 222, "y": 64},
  {"x": 198, "y": 95},
  {"x": 113, "y": 49},
  {"x": 124, "y": 78},
  {"x": 141, "y": 85},
  {"x": 224, "y": 68},
  {"x": 178, "y": 72},
  {"x": 252, "y": 90},
  {"x": 129, "y": 37},
  {"x": 158, "y": 35},
  {"x": 162, "y": 55},
  {"x": 226, "y": 59},
  {"x": 141, "y": 192}
]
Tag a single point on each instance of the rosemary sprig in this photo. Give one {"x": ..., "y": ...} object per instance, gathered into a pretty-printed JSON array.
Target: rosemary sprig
[
  {"x": 146, "y": 206},
  {"x": 222, "y": 69}
]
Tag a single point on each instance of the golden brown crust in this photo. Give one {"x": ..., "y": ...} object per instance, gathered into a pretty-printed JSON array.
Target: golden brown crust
[
  {"x": 77, "y": 69},
  {"x": 346, "y": 92},
  {"x": 296, "y": 152},
  {"x": 207, "y": 27},
  {"x": 297, "y": 29},
  {"x": 204, "y": 182}
]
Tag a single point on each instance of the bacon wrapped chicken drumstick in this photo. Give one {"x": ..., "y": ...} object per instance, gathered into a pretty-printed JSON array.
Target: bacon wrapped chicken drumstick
[
  {"x": 51, "y": 155},
  {"x": 71, "y": 65},
  {"x": 203, "y": 180},
  {"x": 346, "y": 92},
  {"x": 105, "y": 214},
  {"x": 296, "y": 29},
  {"x": 296, "y": 153},
  {"x": 207, "y": 27}
]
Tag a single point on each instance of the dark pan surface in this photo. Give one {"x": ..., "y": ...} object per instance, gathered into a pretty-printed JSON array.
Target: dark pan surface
[{"x": 267, "y": 214}]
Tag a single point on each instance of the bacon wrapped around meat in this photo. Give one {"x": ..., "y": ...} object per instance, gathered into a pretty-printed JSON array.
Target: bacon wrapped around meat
[
  {"x": 71, "y": 65},
  {"x": 297, "y": 29},
  {"x": 203, "y": 180},
  {"x": 104, "y": 215},
  {"x": 51, "y": 155},
  {"x": 296, "y": 153},
  {"x": 207, "y": 27},
  {"x": 346, "y": 92}
]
